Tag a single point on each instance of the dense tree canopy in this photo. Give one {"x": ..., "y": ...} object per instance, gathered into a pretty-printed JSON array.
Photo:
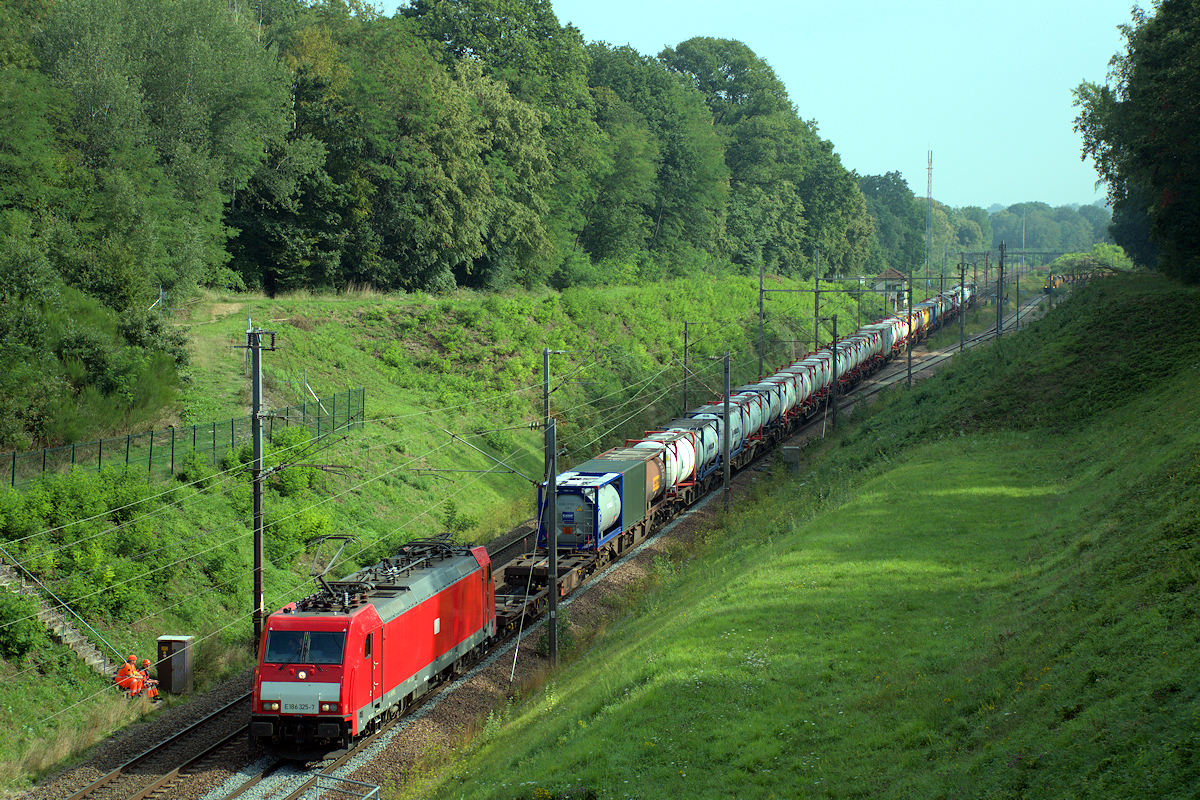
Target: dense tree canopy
[
  {"x": 900, "y": 235},
  {"x": 790, "y": 196},
  {"x": 152, "y": 146},
  {"x": 1141, "y": 134}
]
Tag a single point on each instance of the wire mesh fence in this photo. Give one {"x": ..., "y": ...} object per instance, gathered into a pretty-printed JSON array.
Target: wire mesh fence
[{"x": 162, "y": 453}]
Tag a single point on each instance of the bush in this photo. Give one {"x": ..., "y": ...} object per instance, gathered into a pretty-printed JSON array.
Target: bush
[
  {"x": 18, "y": 638},
  {"x": 566, "y": 637},
  {"x": 196, "y": 470}
]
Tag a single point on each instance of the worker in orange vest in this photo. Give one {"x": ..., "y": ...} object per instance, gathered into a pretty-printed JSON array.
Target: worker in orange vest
[
  {"x": 128, "y": 678},
  {"x": 148, "y": 682}
]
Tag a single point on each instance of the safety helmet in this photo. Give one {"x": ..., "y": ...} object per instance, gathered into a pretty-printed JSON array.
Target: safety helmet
[
  {"x": 145, "y": 662},
  {"x": 132, "y": 659}
]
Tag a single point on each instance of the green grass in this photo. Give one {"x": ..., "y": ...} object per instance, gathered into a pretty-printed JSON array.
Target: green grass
[{"x": 986, "y": 587}]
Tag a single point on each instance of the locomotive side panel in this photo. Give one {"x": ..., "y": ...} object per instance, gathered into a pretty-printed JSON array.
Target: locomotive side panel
[{"x": 431, "y": 636}]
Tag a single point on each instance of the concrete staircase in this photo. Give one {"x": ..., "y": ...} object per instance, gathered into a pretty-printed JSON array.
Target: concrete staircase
[{"x": 57, "y": 623}]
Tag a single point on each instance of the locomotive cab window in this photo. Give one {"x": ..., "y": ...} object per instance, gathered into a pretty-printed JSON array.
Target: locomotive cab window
[
  {"x": 305, "y": 647},
  {"x": 367, "y": 647}
]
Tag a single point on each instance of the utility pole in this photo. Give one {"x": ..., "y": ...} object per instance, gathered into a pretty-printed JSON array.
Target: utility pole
[
  {"x": 551, "y": 503},
  {"x": 1000, "y": 294},
  {"x": 254, "y": 343},
  {"x": 911, "y": 333},
  {"x": 685, "y": 354},
  {"x": 833, "y": 347},
  {"x": 760, "y": 322},
  {"x": 552, "y": 536},
  {"x": 817, "y": 303},
  {"x": 962, "y": 303},
  {"x": 1018, "y": 321},
  {"x": 725, "y": 429}
]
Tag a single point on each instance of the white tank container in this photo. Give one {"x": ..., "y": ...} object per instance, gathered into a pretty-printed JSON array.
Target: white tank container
[
  {"x": 736, "y": 434},
  {"x": 812, "y": 366},
  {"x": 823, "y": 368},
  {"x": 787, "y": 390},
  {"x": 575, "y": 499},
  {"x": 678, "y": 453},
  {"x": 804, "y": 374},
  {"x": 786, "y": 384},
  {"x": 752, "y": 408},
  {"x": 772, "y": 395},
  {"x": 707, "y": 443}
]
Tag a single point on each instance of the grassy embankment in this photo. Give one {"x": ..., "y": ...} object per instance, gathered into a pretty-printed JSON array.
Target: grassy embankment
[
  {"x": 984, "y": 587},
  {"x": 468, "y": 363}
]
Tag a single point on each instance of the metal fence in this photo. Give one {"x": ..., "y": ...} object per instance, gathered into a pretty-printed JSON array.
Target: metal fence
[{"x": 162, "y": 453}]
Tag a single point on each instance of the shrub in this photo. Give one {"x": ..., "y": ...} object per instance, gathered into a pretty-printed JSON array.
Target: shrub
[
  {"x": 566, "y": 637},
  {"x": 196, "y": 470},
  {"x": 18, "y": 638}
]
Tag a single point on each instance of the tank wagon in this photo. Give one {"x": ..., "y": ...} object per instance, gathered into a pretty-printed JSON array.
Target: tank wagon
[{"x": 614, "y": 501}]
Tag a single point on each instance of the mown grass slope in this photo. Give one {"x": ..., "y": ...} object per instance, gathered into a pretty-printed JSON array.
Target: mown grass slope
[{"x": 985, "y": 587}]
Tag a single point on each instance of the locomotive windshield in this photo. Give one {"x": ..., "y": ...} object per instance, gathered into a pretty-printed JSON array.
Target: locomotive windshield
[{"x": 305, "y": 647}]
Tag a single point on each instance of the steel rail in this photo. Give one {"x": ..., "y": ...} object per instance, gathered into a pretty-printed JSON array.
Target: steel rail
[{"x": 157, "y": 749}]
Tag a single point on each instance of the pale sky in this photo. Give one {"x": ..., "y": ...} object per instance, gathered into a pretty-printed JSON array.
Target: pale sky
[{"x": 987, "y": 87}]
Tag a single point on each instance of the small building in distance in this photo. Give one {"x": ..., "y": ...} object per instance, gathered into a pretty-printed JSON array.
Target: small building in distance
[{"x": 892, "y": 283}]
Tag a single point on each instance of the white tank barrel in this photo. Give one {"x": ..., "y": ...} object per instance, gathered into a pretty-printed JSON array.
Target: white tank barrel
[{"x": 682, "y": 445}]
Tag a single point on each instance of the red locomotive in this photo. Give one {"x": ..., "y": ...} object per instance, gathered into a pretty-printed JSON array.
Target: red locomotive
[{"x": 337, "y": 664}]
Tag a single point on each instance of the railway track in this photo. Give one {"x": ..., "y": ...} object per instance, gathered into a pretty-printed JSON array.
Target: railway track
[
  {"x": 160, "y": 770},
  {"x": 155, "y": 772}
]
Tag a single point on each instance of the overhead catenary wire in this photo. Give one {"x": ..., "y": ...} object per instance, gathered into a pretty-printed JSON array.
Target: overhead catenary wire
[
  {"x": 299, "y": 550},
  {"x": 180, "y": 504},
  {"x": 193, "y": 498},
  {"x": 241, "y": 535},
  {"x": 358, "y": 486},
  {"x": 429, "y": 508},
  {"x": 245, "y": 534},
  {"x": 228, "y": 474},
  {"x": 236, "y": 469}
]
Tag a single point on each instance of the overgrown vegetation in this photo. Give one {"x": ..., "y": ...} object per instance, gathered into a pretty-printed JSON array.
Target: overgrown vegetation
[{"x": 984, "y": 587}]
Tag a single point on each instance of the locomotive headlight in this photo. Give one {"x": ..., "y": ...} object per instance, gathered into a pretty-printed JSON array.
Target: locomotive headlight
[
  {"x": 301, "y": 674},
  {"x": 329, "y": 708},
  {"x": 270, "y": 705}
]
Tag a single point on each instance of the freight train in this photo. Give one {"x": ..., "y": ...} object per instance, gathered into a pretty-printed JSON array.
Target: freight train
[{"x": 338, "y": 664}]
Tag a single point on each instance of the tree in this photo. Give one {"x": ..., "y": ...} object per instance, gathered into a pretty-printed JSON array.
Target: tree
[
  {"x": 1141, "y": 135},
  {"x": 899, "y": 232},
  {"x": 687, "y": 210},
  {"x": 790, "y": 196},
  {"x": 173, "y": 106},
  {"x": 517, "y": 244},
  {"x": 544, "y": 64},
  {"x": 618, "y": 221},
  {"x": 732, "y": 78}
]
